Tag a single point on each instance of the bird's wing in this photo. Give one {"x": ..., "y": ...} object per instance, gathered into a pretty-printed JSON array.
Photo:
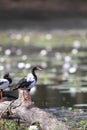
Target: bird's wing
[
  {"x": 18, "y": 85},
  {"x": 27, "y": 85},
  {"x": 2, "y": 82},
  {"x": 22, "y": 84}
]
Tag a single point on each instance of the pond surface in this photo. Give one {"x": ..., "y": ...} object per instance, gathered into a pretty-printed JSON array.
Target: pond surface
[{"x": 63, "y": 81}]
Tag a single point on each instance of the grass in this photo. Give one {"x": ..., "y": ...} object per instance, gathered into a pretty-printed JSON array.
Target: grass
[
  {"x": 80, "y": 125},
  {"x": 12, "y": 125}
]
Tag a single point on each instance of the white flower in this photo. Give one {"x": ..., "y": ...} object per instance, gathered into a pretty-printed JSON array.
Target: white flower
[{"x": 33, "y": 127}]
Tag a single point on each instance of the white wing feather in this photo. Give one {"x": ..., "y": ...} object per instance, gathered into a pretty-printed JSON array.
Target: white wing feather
[
  {"x": 5, "y": 83},
  {"x": 30, "y": 77}
]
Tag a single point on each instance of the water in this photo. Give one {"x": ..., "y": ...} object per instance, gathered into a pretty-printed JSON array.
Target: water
[{"x": 61, "y": 84}]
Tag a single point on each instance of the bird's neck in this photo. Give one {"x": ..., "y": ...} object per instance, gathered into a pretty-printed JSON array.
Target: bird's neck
[
  {"x": 9, "y": 79},
  {"x": 34, "y": 74}
]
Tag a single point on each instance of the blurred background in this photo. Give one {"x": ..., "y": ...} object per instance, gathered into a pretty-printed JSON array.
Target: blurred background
[{"x": 50, "y": 33}]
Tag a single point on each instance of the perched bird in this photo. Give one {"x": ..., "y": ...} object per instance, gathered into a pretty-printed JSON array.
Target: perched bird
[
  {"x": 4, "y": 83},
  {"x": 28, "y": 82}
]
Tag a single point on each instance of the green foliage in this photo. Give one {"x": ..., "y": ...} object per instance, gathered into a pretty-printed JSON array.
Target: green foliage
[
  {"x": 77, "y": 125},
  {"x": 83, "y": 124},
  {"x": 11, "y": 125}
]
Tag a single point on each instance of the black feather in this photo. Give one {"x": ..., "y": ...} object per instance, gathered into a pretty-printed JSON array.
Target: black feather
[
  {"x": 2, "y": 82},
  {"x": 22, "y": 84}
]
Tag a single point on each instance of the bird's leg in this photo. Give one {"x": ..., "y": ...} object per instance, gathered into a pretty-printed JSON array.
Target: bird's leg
[
  {"x": 1, "y": 99},
  {"x": 27, "y": 97},
  {"x": 0, "y": 94}
]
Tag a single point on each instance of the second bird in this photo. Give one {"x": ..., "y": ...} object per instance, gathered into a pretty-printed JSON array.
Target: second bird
[{"x": 4, "y": 83}]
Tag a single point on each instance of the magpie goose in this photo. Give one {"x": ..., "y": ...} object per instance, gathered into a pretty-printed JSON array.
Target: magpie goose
[
  {"x": 28, "y": 82},
  {"x": 4, "y": 83}
]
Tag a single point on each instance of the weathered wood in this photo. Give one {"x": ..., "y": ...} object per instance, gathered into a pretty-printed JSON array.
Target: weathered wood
[{"x": 30, "y": 113}]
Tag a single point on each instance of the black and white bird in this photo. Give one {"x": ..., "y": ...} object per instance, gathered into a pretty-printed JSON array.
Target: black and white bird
[
  {"x": 4, "y": 83},
  {"x": 28, "y": 82}
]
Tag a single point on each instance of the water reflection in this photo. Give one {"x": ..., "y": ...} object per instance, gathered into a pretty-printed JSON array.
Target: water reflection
[{"x": 49, "y": 98}]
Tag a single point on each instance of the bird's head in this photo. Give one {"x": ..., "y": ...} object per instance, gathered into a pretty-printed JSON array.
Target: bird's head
[
  {"x": 7, "y": 76},
  {"x": 37, "y": 68}
]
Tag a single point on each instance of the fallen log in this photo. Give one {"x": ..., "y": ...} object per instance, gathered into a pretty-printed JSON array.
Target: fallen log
[{"x": 30, "y": 113}]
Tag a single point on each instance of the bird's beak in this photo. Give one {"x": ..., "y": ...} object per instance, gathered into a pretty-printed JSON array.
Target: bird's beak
[{"x": 40, "y": 68}]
